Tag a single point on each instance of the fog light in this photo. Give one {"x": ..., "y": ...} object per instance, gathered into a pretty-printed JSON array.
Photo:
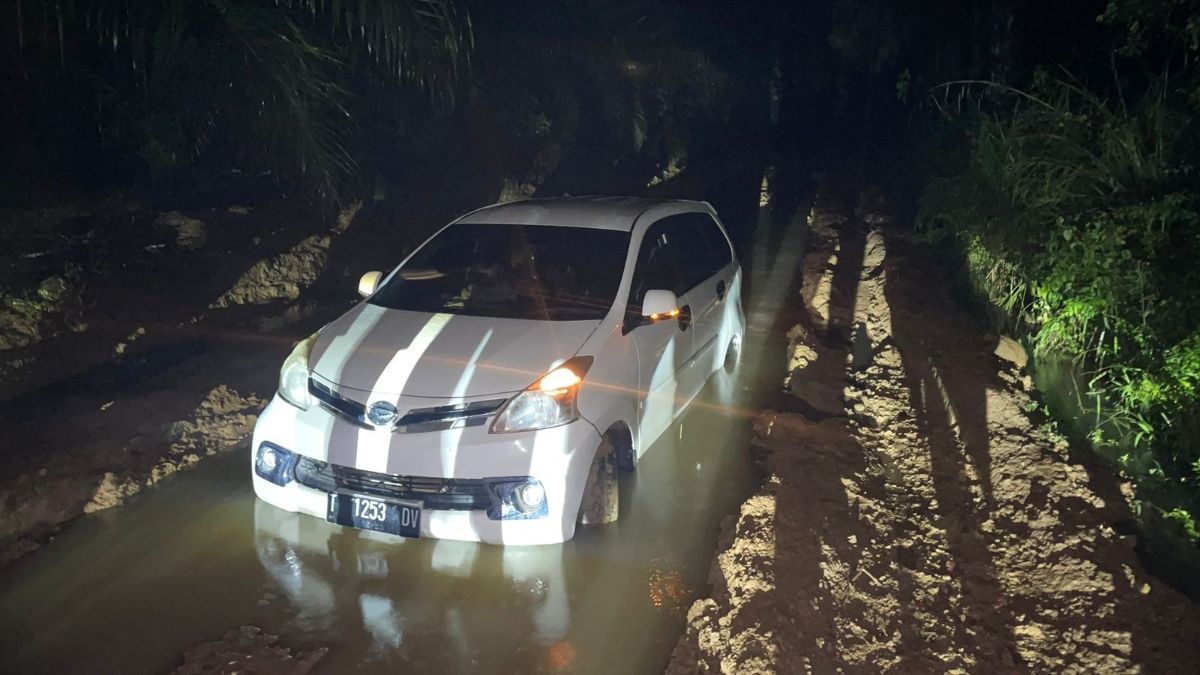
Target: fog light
[
  {"x": 517, "y": 498},
  {"x": 275, "y": 464},
  {"x": 529, "y": 496}
]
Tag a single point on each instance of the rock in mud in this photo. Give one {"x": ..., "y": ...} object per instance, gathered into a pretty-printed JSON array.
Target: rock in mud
[
  {"x": 248, "y": 650},
  {"x": 54, "y": 290},
  {"x": 18, "y": 327},
  {"x": 221, "y": 421},
  {"x": 111, "y": 491},
  {"x": 1011, "y": 351},
  {"x": 280, "y": 277},
  {"x": 186, "y": 233},
  {"x": 22, "y": 316}
]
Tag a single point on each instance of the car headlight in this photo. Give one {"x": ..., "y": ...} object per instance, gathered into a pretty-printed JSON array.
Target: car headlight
[
  {"x": 549, "y": 402},
  {"x": 293, "y": 376}
]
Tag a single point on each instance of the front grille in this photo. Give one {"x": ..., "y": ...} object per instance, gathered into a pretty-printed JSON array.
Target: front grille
[
  {"x": 417, "y": 420},
  {"x": 442, "y": 494},
  {"x": 336, "y": 403}
]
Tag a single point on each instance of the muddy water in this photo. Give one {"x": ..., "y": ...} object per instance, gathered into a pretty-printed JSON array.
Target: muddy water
[{"x": 127, "y": 591}]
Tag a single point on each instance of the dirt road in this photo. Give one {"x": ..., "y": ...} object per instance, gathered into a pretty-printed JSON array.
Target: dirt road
[
  {"x": 177, "y": 346},
  {"x": 917, "y": 516}
]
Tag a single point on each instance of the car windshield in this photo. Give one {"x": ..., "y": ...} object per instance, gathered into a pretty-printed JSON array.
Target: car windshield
[{"x": 541, "y": 272}]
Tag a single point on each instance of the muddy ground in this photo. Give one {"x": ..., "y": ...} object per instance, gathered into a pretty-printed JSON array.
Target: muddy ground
[
  {"x": 136, "y": 341},
  {"x": 917, "y": 515},
  {"x": 247, "y": 651}
]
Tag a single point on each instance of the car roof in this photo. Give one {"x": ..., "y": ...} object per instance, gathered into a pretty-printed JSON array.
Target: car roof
[{"x": 604, "y": 213}]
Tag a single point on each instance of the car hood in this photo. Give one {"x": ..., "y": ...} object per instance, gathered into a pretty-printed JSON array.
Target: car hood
[{"x": 394, "y": 353}]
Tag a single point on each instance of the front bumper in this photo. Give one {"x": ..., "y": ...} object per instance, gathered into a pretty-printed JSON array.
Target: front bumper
[{"x": 559, "y": 458}]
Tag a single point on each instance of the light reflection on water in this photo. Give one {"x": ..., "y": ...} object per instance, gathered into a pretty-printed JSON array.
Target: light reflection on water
[
  {"x": 461, "y": 606},
  {"x": 128, "y": 590}
]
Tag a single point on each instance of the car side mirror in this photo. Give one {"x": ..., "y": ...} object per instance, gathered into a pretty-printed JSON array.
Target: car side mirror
[
  {"x": 368, "y": 283},
  {"x": 659, "y": 305}
]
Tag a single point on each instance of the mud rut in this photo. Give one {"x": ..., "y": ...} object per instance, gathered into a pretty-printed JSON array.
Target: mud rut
[{"x": 915, "y": 517}]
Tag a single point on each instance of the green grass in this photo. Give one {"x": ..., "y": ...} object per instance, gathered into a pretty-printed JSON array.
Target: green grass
[{"x": 1079, "y": 218}]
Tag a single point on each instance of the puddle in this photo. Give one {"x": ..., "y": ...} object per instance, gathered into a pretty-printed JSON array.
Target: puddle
[{"x": 128, "y": 590}]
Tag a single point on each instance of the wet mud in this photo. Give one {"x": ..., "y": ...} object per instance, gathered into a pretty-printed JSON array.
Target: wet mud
[{"x": 917, "y": 515}]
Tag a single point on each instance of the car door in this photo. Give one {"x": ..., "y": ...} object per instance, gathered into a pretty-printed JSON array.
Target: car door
[
  {"x": 664, "y": 347},
  {"x": 710, "y": 261}
]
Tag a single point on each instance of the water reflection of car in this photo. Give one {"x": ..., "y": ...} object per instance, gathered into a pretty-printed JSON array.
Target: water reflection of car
[
  {"x": 348, "y": 584},
  {"x": 491, "y": 387}
]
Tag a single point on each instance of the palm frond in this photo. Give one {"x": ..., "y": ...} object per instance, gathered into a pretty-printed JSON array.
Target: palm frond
[
  {"x": 422, "y": 42},
  {"x": 265, "y": 76}
]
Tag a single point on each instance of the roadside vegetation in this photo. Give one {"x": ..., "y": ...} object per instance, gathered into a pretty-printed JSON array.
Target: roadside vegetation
[
  {"x": 1077, "y": 209},
  {"x": 169, "y": 85},
  {"x": 348, "y": 100}
]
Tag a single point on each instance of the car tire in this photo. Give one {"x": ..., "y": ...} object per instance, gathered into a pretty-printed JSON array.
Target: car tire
[{"x": 601, "y": 497}]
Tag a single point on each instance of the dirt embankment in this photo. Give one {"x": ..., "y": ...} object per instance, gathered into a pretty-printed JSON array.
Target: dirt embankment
[
  {"x": 917, "y": 516},
  {"x": 182, "y": 322},
  {"x": 84, "y": 475}
]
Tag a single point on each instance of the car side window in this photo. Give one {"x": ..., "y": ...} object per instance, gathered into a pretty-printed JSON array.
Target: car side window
[
  {"x": 678, "y": 253},
  {"x": 702, "y": 248},
  {"x": 656, "y": 265}
]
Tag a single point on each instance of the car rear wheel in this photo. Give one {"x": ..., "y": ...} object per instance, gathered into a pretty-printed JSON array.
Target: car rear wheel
[
  {"x": 733, "y": 354},
  {"x": 601, "y": 503}
]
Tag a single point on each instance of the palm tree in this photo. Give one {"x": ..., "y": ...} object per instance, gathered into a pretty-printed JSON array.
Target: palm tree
[{"x": 264, "y": 84}]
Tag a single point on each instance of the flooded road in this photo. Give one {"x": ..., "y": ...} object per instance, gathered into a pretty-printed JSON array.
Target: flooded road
[{"x": 129, "y": 589}]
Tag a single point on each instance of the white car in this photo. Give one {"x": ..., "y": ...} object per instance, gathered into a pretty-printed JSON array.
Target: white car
[{"x": 490, "y": 387}]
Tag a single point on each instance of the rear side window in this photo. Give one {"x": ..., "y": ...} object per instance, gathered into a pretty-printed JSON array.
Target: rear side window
[
  {"x": 694, "y": 254},
  {"x": 722, "y": 253}
]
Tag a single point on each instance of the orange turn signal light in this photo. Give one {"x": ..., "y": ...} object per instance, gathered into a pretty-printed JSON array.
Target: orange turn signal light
[
  {"x": 673, "y": 314},
  {"x": 559, "y": 379}
]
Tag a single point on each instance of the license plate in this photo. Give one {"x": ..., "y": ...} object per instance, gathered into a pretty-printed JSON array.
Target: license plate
[{"x": 368, "y": 513}]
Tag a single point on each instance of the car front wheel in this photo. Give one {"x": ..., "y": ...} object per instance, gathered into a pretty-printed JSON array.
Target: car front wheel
[{"x": 601, "y": 503}]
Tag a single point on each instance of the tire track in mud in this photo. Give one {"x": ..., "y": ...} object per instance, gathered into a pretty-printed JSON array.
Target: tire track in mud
[{"x": 916, "y": 518}]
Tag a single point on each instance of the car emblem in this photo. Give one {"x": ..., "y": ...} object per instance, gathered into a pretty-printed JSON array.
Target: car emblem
[{"x": 381, "y": 413}]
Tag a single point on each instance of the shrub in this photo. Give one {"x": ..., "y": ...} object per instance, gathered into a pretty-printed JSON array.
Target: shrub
[{"x": 1080, "y": 219}]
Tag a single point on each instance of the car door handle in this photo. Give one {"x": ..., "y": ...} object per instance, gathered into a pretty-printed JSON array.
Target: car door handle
[{"x": 720, "y": 290}]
